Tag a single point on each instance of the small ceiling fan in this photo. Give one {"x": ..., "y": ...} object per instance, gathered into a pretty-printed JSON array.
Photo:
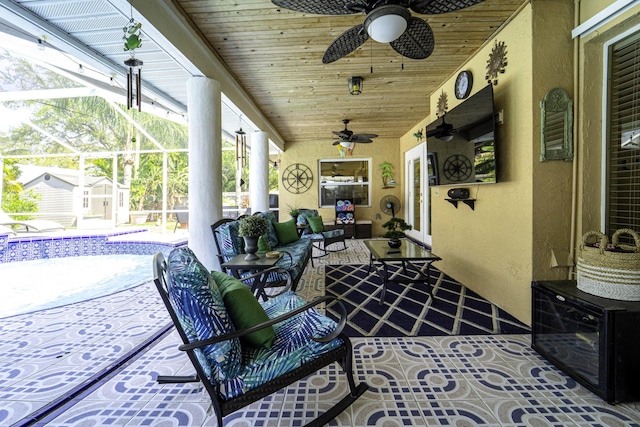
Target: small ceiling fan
[
  {"x": 444, "y": 131},
  {"x": 347, "y": 137},
  {"x": 386, "y": 21}
]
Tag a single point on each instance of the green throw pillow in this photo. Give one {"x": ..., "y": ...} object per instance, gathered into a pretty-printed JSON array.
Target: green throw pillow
[
  {"x": 315, "y": 222},
  {"x": 263, "y": 245},
  {"x": 244, "y": 310},
  {"x": 286, "y": 231}
]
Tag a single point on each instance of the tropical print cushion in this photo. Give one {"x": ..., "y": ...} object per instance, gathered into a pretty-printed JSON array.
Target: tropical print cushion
[
  {"x": 333, "y": 233},
  {"x": 292, "y": 347},
  {"x": 272, "y": 236},
  {"x": 201, "y": 313},
  {"x": 300, "y": 250},
  {"x": 302, "y": 219},
  {"x": 231, "y": 244}
]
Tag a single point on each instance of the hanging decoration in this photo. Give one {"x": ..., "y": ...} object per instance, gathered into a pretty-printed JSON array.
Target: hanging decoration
[
  {"x": 241, "y": 147},
  {"x": 132, "y": 41}
]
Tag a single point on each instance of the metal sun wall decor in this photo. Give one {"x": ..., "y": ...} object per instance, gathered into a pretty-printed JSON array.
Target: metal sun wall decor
[
  {"x": 497, "y": 62},
  {"x": 133, "y": 40},
  {"x": 443, "y": 104}
]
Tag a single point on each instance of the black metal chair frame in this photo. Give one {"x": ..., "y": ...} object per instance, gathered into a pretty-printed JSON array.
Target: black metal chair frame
[
  {"x": 222, "y": 258},
  {"x": 321, "y": 244},
  {"x": 222, "y": 408}
]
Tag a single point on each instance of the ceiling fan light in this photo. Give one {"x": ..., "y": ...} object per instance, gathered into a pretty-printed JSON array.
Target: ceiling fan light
[
  {"x": 386, "y": 23},
  {"x": 355, "y": 85},
  {"x": 446, "y": 137},
  {"x": 345, "y": 144}
]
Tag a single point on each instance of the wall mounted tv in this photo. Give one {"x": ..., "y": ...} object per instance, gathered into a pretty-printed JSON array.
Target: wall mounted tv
[{"x": 461, "y": 145}]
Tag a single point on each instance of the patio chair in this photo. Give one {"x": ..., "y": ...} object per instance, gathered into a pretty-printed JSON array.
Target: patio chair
[
  {"x": 234, "y": 370},
  {"x": 229, "y": 244},
  {"x": 318, "y": 234},
  {"x": 182, "y": 218},
  {"x": 28, "y": 226}
]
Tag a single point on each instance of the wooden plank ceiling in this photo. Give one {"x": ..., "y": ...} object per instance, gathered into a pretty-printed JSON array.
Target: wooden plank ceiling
[{"x": 276, "y": 55}]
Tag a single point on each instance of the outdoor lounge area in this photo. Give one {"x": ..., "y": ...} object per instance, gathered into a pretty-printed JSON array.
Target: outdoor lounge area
[
  {"x": 96, "y": 363},
  {"x": 494, "y": 134}
]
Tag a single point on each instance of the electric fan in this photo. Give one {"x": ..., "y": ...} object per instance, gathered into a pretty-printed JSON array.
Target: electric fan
[{"x": 390, "y": 205}]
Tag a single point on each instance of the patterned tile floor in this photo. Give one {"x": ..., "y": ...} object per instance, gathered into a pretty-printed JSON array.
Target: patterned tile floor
[{"x": 492, "y": 380}]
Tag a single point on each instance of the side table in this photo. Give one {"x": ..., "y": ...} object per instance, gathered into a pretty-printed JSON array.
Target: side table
[{"x": 237, "y": 265}]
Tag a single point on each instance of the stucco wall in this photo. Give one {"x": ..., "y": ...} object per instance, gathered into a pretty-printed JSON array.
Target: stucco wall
[
  {"x": 552, "y": 180},
  {"x": 498, "y": 248},
  {"x": 489, "y": 249},
  {"x": 309, "y": 154},
  {"x": 590, "y": 137}
]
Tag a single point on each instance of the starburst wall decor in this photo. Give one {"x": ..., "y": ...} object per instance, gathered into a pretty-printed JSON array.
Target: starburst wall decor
[
  {"x": 497, "y": 62},
  {"x": 443, "y": 104}
]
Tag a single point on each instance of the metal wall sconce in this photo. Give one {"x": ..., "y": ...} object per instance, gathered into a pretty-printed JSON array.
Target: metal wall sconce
[{"x": 355, "y": 85}]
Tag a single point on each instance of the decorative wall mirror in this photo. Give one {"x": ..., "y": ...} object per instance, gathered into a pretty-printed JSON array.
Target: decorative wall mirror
[{"x": 556, "y": 126}]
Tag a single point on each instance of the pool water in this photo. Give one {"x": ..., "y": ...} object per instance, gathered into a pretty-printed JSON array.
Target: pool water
[{"x": 28, "y": 286}]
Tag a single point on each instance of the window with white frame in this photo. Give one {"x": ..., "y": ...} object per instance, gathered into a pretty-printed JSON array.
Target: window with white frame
[
  {"x": 344, "y": 179},
  {"x": 622, "y": 209}
]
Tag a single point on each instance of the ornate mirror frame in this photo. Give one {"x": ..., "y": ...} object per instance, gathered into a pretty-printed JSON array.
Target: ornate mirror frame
[{"x": 556, "y": 120}]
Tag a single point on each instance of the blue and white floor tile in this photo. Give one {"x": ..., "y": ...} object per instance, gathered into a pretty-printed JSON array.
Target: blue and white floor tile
[{"x": 480, "y": 380}]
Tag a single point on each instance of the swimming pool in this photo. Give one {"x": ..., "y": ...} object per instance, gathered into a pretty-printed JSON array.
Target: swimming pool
[{"x": 28, "y": 286}]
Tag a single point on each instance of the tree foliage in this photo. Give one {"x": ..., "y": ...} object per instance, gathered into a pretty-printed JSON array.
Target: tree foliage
[
  {"x": 14, "y": 198},
  {"x": 91, "y": 125}
]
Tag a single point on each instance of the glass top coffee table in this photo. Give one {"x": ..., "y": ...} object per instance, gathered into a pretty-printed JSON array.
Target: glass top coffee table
[{"x": 409, "y": 254}]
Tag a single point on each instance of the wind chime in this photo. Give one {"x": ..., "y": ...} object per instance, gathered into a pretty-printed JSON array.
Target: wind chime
[
  {"x": 241, "y": 147},
  {"x": 133, "y": 40}
]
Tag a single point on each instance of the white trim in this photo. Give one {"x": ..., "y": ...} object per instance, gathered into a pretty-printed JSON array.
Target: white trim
[{"x": 607, "y": 14}]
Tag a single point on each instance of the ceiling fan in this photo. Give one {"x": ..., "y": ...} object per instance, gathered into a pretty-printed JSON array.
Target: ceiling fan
[
  {"x": 444, "y": 131},
  {"x": 347, "y": 137},
  {"x": 386, "y": 21}
]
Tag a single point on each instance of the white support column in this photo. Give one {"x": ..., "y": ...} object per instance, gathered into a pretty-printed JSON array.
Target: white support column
[
  {"x": 205, "y": 163},
  {"x": 259, "y": 172}
]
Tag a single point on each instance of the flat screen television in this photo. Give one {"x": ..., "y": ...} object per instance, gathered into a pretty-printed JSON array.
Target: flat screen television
[{"x": 461, "y": 145}]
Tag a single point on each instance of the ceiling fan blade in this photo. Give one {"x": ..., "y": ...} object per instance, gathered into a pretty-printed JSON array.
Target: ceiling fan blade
[
  {"x": 417, "y": 42},
  {"x": 325, "y": 7},
  {"x": 434, "y": 132},
  {"x": 337, "y": 142},
  {"x": 346, "y": 43},
  {"x": 434, "y": 7},
  {"x": 363, "y": 137},
  {"x": 343, "y": 135}
]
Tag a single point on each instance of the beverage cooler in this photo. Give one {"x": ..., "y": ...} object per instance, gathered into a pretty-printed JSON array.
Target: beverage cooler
[{"x": 594, "y": 340}]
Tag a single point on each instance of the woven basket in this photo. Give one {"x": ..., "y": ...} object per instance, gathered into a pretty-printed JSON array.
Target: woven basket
[{"x": 607, "y": 273}]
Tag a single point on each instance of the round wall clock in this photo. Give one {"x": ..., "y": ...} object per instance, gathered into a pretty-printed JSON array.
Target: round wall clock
[
  {"x": 463, "y": 85},
  {"x": 297, "y": 178},
  {"x": 457, "y": 168}
]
